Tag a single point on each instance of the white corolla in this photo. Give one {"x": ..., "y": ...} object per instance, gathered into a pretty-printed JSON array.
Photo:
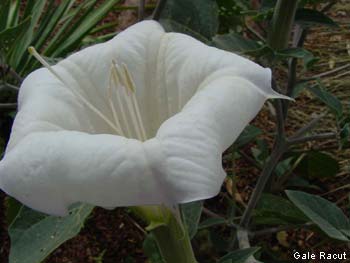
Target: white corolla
[{"x": 141, "y": 119}]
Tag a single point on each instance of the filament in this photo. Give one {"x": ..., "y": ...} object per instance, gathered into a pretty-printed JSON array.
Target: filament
[{"x": 33, "y": 52}]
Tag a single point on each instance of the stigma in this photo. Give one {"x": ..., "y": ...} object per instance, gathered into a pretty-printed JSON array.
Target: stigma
[{"x": 126, "y": 116}]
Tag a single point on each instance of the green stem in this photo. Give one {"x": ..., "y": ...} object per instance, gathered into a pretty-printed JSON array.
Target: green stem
[
  {"x": 174, "y": 243},
  {"x": 172, "y": 239},
  {"x": 281, "y": 23}
]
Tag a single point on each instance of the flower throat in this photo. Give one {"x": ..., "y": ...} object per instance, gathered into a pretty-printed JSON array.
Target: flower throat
[{"x": 127, "y": 120}]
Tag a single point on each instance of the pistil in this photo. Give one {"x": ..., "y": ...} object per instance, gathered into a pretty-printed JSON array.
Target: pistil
[
  {"x": 33, "y": 52},
  {"x": 122, "y": 82}
]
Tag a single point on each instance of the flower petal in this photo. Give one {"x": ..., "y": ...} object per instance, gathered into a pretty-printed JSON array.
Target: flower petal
[
  {"x": 184, "y": 64},
  {"x": 194, "y": 139},
  {"x": 45, "y": 103},
  {"x": 55, "y": 157},
  {"x": 49, "y": 171}
]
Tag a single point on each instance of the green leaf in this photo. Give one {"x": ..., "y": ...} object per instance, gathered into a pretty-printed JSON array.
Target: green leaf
[
  {"x": 268, "y": 4},
  {"x": 53, "y": 19},
  {"x": 151, "y": 249},
  {"x": 4, "y": 11},
  {"x": 318, "y": 165},
  {"x": 323, "y": 213},
  {"x": 327, "y": 98},
  {"x": 293, "y": 52},
  {"x": 301, "y": 182},
  {"x": 212, "y": 222},
  {"x": 35, "y": 235},
  {"x": 174, "y": 26},
  {"x": 43, "y": 34},
  {"x": 90, "y": 40},
  {"x": 273, "y": 209},
  {"x": 239, "y": 256},
  {"x": 219, "y": 242},
  {"x": 284, "y": 166},
  {"x": 301, "y": 53},
  {"x": 11, "y": 36},
  {"x": 34, "y": 9},
  {"x": 310, "y": 17},
  {"x": 345, "y": 134},
  {"x": 13, "y": 14},
  {"x": 65, "y": 30},
  {"x": 230, "y": 14},
  {"x": 12, "y": 209},
  {"x": 248, "y": 135},
  {"x": 191, "y": 213},
  {"x": 106, "y": 26},
  {"x": 199, "y": 16},
  {"x": 234, "y": 42},
  {"x": 298, "y": 88},
  {"x": 261, "y": 153},
  {"x": 91, "y": 20}
]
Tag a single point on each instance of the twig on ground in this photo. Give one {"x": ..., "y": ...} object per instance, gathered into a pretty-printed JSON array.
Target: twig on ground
[
  {"x": 8, "y": 106},
  {"x": 328, "y": 6},
  {"x": 211, "y": 213},
  {"x": 136, "y": 224},
  {"x": 279, "y": 228},
  {"x": 336, "y": 189},
  {"x": 250, "y": 159},
  {"x": 341, "y": 74},
  {"x": 315, "y": 137},
  {"x": 323, "y": 148},
  {"x": 327, "y": 73},
  {"x": 308, "y": 127},
  {"x": 255, "y": 33},
  {"x": 9, "y": 86}
]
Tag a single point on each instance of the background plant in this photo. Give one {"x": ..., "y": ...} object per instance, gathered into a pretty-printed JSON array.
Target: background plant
[{"x": 291, "y": 173}]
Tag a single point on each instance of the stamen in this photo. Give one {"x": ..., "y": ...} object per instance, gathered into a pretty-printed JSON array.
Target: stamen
[
  {"x": 128, "y": 80},
  {"x": 33, "y": 52},
  {"x": 129, "y": 86},
  {"x": 133, "y": 116},
  {"x": 134, "y": 101},
  {"x": 115, "y": 79},
  {"x": 110, "y": 84}
]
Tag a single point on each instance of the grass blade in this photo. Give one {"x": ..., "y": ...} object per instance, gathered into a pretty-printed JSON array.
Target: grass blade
[{"x": 85, "y": 27}]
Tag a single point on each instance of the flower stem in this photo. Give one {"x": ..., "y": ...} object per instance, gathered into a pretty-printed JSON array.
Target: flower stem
[
  {"x": 281, "y": 23},
  {"x": 174, "y": 243},
  {"x": 278, "y": 151},
  {"x": 171, "y": 236},
  {"x": 278, "y": 38}
]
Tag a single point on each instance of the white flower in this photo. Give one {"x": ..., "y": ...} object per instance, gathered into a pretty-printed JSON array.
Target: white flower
[{"x": 141, "y": 119}]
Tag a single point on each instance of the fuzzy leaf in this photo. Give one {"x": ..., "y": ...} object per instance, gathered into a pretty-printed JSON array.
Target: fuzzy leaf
[
  {"x": 34, "y": 235},
  {"x": 200, "y": 16},
  {"x": 323, "y": 213},
  {"x": 191, "y": 213}
]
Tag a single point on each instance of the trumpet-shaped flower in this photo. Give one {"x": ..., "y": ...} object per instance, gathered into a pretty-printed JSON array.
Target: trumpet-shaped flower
[{"x": 141, "y": 119}]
